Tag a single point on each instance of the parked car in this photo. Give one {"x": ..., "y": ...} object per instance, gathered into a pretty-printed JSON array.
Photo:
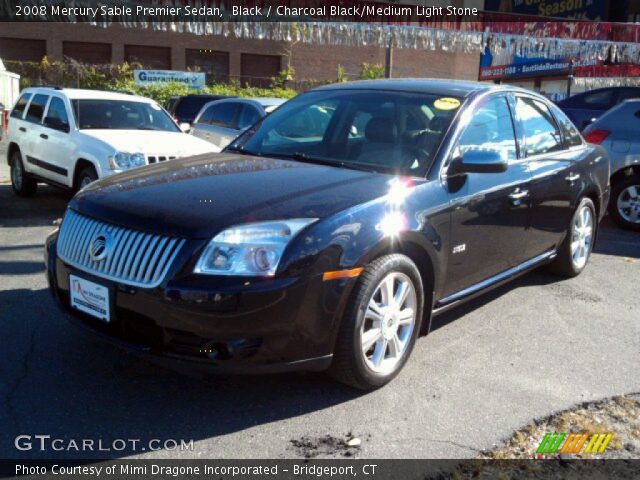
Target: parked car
[
  {"x": 221, "y": 121},
  {"x": 69, "y": 138},
  {"x": 618, "y": 132},
  {"x": 585, "y": 107},
  {"x": 185, "y": 109},
  {"x": 298, "y": 249}
]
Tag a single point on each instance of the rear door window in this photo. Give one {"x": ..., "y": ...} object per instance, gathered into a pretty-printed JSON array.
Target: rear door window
[
  {"x": 572, "y": 137},
  {"x": 36, "y": 108},
  {"x": 57, "y": 111},
  {"x": 541, "y": 132},
  {"x": 21, "y": 104}
]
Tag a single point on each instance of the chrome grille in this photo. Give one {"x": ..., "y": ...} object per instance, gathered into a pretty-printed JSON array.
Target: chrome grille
[
  {"x": 133, "y": 257},
  {"x": 155, "y": 158}
]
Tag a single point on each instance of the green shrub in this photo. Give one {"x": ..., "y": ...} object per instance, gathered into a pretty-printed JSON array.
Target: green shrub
[
  {"x": 120, "y": 78},
  {"x": 369, "y": 71}
]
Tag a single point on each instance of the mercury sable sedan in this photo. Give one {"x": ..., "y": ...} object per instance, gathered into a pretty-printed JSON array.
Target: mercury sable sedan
[{"x": 331, "y": 232}]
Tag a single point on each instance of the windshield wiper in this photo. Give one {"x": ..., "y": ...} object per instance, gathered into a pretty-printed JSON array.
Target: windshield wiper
[
  {"x": 303, "y": 157},
  {"x": 241, "y": 150}
]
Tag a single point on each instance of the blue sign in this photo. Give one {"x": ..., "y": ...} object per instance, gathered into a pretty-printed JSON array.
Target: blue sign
[{"x": 575, "y": 9}]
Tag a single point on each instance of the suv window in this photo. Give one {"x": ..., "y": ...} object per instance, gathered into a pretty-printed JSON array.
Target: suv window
[
  {"x": 540, "y": 130},
  {"x": 628, "y": 93},
  {"x": 572, "y": 137},
  {"x": 21, "y": 104},
  {"x": 248, "y": 116},
  {"x": 224, "y": 114},
  {"x": 36, "y": 109},
  {"x": 188, "y": 107},
  {"x": 603, "y": 98},
  {"x": 491, "y": 127},
  {"x": 57, "y": 111}
]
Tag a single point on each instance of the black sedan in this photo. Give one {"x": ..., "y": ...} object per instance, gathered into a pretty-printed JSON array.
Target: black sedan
[{"x": 330, "y": 233}]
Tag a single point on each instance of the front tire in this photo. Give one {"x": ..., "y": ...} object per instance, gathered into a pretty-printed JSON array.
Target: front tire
[
  {"x": 381, "y": 323},
  {"x": 23, "y": 184},
  {"x": 575, "y": 251},
  {"x": 86, "y": 176},
  {"x": 624, "y": 206}
]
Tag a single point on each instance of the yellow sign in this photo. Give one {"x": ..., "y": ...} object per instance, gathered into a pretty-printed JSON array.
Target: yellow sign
[{"x": 446, "y": 103}]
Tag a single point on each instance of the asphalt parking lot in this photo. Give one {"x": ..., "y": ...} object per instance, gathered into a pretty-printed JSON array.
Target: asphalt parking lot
[{"x": 524, "y": 351}]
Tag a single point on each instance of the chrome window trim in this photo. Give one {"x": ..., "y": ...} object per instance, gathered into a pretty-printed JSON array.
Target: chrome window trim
[{"x": 461, "y": 125}]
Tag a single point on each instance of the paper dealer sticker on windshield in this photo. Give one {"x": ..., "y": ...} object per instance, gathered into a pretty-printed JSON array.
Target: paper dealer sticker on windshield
[{"x": 446, "y": 103}]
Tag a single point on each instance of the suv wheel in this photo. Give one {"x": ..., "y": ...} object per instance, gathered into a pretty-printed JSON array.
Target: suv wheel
[
  {"x": 381, "y": 323},
  {"x": 22, "y": 183},
  {"x": 86, "y": 176},
  {"x": 575, "y": 251},
  {"x": 625, "y": 202}
]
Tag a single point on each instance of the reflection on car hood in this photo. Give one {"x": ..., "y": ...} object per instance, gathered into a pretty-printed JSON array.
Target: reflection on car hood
[
  {"x": 152, "y": 142},
  {"x": 199, "y": 196}
]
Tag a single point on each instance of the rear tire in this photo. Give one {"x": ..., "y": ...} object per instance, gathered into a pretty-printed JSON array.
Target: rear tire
[
  {"x": 380, "y": 325},
  {"x": 86, "y": 176},
  {"x": 624, "y": 206},
  {"x": 23, "y": 184},
  {"x": 574, "y": 253}
]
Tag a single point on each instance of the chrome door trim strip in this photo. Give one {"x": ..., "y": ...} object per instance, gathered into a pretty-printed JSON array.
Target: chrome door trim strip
[{"x": 496, "y": 278}]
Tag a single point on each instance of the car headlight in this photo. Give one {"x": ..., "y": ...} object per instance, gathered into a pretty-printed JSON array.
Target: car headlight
[
  {"x": 125, "y": 160},
  {"x": 253, "y": 249}
]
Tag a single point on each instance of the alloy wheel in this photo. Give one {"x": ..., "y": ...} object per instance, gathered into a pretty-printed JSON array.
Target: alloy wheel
[
  {"x": 629, "y": 204},
  {"x": 388, "y": 324},
  {"x": 582, "y": 236},
  {"x": 85, "y": 181}
]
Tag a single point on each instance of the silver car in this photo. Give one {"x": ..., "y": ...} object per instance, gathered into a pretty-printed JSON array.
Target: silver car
[
  {"x": 618, "y": 131},
  {"x": 221, "y": 121}
]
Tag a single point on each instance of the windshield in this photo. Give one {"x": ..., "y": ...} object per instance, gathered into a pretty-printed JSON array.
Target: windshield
[
  {"x": 386, "y": 131},
  {"x": 121, "y": 115}
]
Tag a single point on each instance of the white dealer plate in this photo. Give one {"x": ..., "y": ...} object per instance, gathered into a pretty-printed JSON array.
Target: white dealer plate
[{"x": 89, "y": 297}]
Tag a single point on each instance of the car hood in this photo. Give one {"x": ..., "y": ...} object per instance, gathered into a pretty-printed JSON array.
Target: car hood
[
  {"x": 198, "y": 197},
  {"x": 151, "y": 142}
]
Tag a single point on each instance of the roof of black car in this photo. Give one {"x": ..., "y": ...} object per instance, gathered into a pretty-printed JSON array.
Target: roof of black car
[{"x": 456, "y": 88}]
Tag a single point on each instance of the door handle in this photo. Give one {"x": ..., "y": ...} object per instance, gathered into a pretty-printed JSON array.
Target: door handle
[
  {"x": 44, "y": 135},
  {"x": 572, "y": 177},
  {"x": 22, "y": 129},
  {"x": 517, "y": 197}
]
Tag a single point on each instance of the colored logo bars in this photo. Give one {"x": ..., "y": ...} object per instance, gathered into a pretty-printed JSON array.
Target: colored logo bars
[{"x": 574, "y": 442}]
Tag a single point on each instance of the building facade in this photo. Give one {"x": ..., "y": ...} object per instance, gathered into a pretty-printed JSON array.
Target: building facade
[{"x": 222, "y": 58}]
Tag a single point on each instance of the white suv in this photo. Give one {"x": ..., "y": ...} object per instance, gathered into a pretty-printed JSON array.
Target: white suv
[{"x": 69, "y": 137}]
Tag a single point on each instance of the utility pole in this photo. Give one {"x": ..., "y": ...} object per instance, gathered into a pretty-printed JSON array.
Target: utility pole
[
  {"x": 570, "y": 78},
  {"x": 388, "y": 60}
]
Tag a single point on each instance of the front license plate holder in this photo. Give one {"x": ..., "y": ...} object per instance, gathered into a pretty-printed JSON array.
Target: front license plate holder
[{"x": 90, "y": 297}]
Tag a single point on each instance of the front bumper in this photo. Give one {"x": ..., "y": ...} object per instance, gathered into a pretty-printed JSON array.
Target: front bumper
[{"x": 226, "y": 325}]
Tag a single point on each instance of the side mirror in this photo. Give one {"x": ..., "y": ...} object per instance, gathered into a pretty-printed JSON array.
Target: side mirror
[
  {"x": 185, "y": 127},
  {"x": 479, "y": 161},
  {"x": 56, "y": 124}
]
